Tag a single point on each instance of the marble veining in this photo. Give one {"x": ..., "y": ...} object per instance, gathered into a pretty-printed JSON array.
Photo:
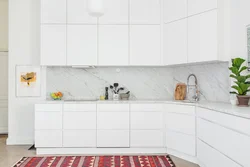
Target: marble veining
[{"x": 142, "y": 82}]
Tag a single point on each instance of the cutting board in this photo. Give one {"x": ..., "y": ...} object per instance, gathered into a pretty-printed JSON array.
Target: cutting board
[{"x": 180, "y": 91}]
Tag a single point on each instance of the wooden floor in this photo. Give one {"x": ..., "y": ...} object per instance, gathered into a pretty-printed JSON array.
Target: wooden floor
[{"x": 9, "y": 155}]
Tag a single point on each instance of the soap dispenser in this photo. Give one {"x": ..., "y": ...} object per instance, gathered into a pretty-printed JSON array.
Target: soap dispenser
[{"x": 106, "y": 93}]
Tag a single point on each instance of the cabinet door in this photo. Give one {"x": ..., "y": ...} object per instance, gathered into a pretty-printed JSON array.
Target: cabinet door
[
  {"x": 77, "y": 13},
  {"x": 145, "y": 45},
  {"x": 49, "y": 120},
  {"x": 199, "y": 6},
  {"x": 115, "y": 12},
  {"x": 79, "y": 138},
  {"x": 174, "y": 10},
  {"x": 202, "y": 37},
  {"x": 53, "y": 45},
  {"x": 175, "y": 42},
  {"x": 53, "y": 11},
  {"x": 82, "y": 45},
  {"x": 146, "y": 120},
  {"x": 113, "y": 45},
  {"x": 145, "y": 11},
  {"x": 48, "y": 138},
  {"x": 147, "y": 138}
]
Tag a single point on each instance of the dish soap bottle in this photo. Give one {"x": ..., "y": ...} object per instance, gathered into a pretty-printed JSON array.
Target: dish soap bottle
[{"x": 106, "y": 93}]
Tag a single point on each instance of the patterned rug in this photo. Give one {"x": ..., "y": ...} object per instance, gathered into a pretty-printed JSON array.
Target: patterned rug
[{"x": 96, "y": 161}]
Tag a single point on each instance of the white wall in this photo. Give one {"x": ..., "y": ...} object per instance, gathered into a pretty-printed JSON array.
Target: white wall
[{"x": 3, "y": 25}]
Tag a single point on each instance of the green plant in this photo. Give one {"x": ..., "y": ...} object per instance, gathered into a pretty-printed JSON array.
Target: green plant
[{"x": 242, "y": 84}]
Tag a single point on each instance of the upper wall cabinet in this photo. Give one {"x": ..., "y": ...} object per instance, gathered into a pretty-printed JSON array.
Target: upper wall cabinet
[
  {"x": 53, "y": 45},
  {"x": 145, "y": 45},
  {"x": 145, "y": 11},
  {"x": 115, "y": 12},
  {"x": 82, "y": 45},
  {"x": 174, "y": 10},
  {"x": 53, "y": 11},
  {"x": 77, "y": 12},
  {"x": 199, "y": 6},
  {"x": 202, "y": 37}
]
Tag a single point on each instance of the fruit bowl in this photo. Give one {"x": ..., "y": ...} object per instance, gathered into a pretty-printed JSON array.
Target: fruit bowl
[{"x": 56, "y": 95}]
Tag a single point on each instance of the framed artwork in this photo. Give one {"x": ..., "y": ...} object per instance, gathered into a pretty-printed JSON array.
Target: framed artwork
[{"x": 28, "y": 81}]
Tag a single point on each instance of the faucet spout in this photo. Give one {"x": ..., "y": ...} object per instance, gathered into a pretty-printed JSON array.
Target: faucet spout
[{"x": 196, "y": 96}]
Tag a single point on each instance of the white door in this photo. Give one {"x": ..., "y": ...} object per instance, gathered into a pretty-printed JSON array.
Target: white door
[
  {"x": 4, "y": 92},
  {"x": 53, "y": 45},
  {"x": 199, "y": 6},
  {"x": 145, "y": 11},
  {"x": 82, "y": 45},
  {"x": 113, "y": 45},
  {"x": 53, "y": 11},
  {"x": 174, "y": 10},
  {"x": 175, "y": 43},
  {"x": 145, "y": 45},
  {"x": 202, "y": 37}
]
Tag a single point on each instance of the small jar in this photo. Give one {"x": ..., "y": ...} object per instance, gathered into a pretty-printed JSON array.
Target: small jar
[{"x": 116, "y": 96}]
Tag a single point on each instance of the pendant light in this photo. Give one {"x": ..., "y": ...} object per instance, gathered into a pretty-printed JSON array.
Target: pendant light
[{"x": 96, "y": 8}]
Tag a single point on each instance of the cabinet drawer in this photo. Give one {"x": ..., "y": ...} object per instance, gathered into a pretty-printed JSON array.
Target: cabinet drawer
[
  {"x": 79, "y": 107},
  {"x": 212, "y": 158},
  {"x": 79, "y": 138},
  {"x": 146, "y": 120},
  {"x": 147, "y": 138},
  {"x": 180, "y": 123},
  {"x": 48, "y": 107},
  {"x": 181, "y": 142},
  {"x": 113, "y": 107},
  {"x": 48, "y": 120},
  {"x": 146, "y": 107},
  {"x": 177, "y": 108},
  {"x": 113, "y": 120},
  {"x": 79, "y": 120},
  {"x": 239, "y": 124},
  {"x": 112, "y": 138},
  {"x": 48, "y": 138},
  {"x": 225, "y": 141}
]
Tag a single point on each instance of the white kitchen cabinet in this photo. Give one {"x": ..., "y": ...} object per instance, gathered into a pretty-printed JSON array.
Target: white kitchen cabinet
[
  {"x": 113, "y": 107},
  {"x": 48, "y": 138},
  {"x": 78, "y": 13},
  {"x": 82, "y": 45},
  {"x": 113, "y": 45},
  {"x": 53, "y": 45},
  {"x": 145, "y": 45},
  {"x": 199, "y": 6},
  {"x": 115, "y": 12},
  {"x": 53, "y": 11},
  {"x": 48, "y": 120},
  {"x": 145, "y": 11},
  {"x": 113, "y": 138},
  {"x": 202, "y": 37},
  {"x": 174, "y": 10},
  {"x": 175, "y": 43},
  {"x": 145, "y": 107},
  {"x": 180, "y": 109},
  {"x": 79, "y": 138}
]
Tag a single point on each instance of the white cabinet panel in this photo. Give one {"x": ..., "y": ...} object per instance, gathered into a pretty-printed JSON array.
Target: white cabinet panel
[
  {"x": 215, "y": 158},
  {"x": 79, "y": 138},
  {"x": 145, "y": 11},
  {"x": 48, "y": 107},
  {"x": 202, "y": 37},
  {"x": 77, "y": 12},
  {"x": 79, "y": 120},
  {"x": 181, "y": 142},
  {"x": 146, "y": 120},
  {"x": 115, "y": 12},
  {"x": 112, "y": 138},
  {"x": 199, "y": 6},
  {"x": 112, "y": 120},
  {"x": 53, "y": 11},
  {"x": 48, "y": 120},
  {"x": 181, "y": 109},
  {"x": 145, "y": 45},
  {"x": 48, "y": 138},
  {"x": 146, "y": 107},
  {"x": 113, "y": 107},
  {"x": 175, "y": 42},
  {"x": 146, "y": 138},
  {"x": 174, "y": 10},
  {"x": 81, "y": 45},
  {"x": 80, "y": 107},
  {"x": 113, "y": 45},
  {"x": 53, "y": 45},
  {"x": 180, "y": 123}
]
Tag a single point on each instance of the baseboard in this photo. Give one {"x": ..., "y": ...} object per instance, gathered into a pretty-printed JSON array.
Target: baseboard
[
  {"x": 3, "y": 130},
  {"x": 19, "y": 141}
]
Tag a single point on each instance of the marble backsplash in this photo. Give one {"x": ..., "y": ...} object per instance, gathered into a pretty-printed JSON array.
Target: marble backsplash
[{"x": 142, "y": 82}]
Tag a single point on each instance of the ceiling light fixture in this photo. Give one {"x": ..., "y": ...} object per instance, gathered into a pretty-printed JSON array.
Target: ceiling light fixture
[{"x": 96, "y": 8}]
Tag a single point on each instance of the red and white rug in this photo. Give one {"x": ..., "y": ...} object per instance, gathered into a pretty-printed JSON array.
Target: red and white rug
[{"x": 96, "y": 161}]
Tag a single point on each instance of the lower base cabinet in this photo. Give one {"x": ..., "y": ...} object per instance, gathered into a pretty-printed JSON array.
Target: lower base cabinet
[
  {"x": 53, "y": 138},
  {"x": 79, "y": 138}
]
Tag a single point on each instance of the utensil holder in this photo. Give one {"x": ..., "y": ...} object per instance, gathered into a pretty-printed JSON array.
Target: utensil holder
[{"x": 116, "y": 96}]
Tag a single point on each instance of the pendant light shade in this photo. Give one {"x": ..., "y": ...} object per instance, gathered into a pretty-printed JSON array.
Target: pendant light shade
[{"x": 96, "y": 8}]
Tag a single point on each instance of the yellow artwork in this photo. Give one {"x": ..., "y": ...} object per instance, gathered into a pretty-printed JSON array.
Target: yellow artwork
[{"x": 28, "y": 78}]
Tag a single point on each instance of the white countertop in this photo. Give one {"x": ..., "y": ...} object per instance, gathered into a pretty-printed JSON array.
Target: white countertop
[{"x": 217, "y": 106}]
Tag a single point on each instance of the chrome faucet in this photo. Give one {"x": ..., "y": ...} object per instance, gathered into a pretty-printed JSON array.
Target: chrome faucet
[{"x": 196, "y": 96}]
